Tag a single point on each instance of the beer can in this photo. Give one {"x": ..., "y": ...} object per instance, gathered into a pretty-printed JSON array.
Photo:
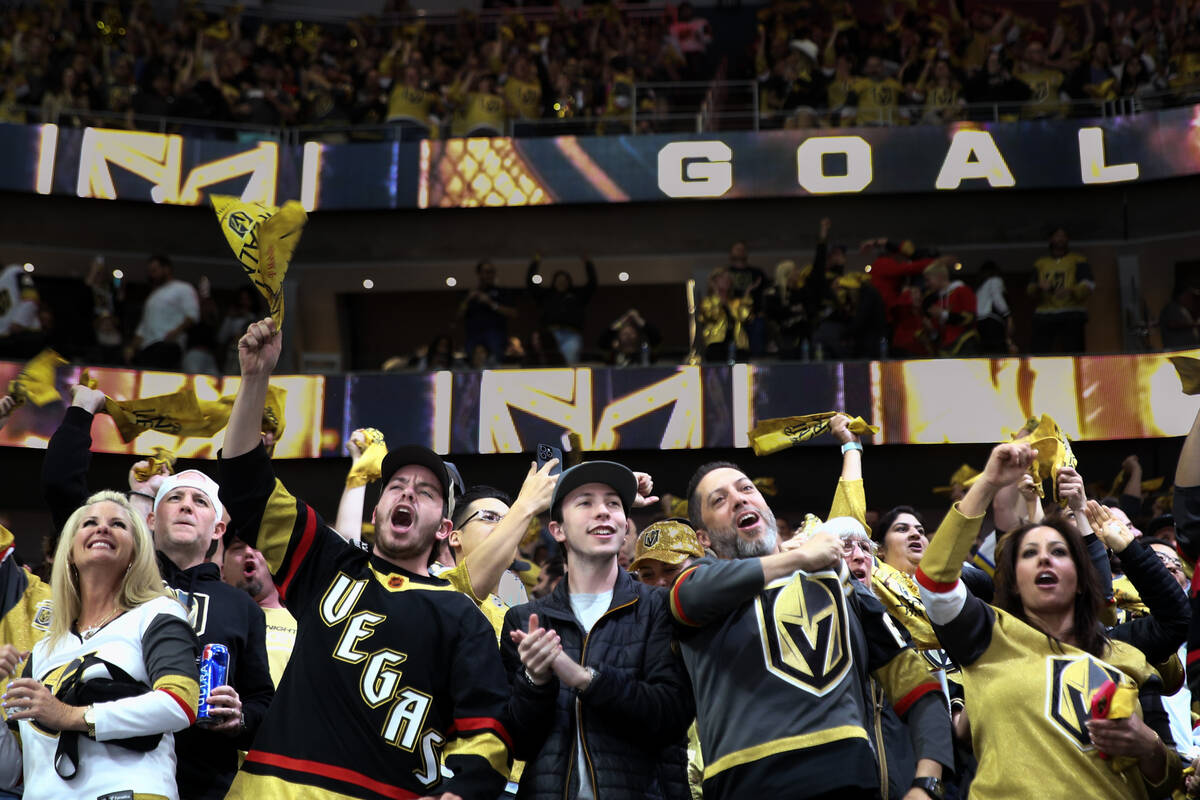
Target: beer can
[{"x": 214, "y": 672}]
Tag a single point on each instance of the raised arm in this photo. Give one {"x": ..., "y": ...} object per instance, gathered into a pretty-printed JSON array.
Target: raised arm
[
  {"x": 69, "y": 455},
  {"x": 850, "y": 499},
  {"x": 258, "y": 352},
  {"x": 494, "y": 554},
  {"x": 962, "y": 621}
]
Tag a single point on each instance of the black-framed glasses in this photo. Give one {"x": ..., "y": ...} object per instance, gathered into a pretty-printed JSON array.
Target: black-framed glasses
[{"x": 486, "y": 515}]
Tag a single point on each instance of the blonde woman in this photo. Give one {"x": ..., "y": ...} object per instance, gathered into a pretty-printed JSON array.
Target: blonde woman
[{"x": 99, "y": 699}]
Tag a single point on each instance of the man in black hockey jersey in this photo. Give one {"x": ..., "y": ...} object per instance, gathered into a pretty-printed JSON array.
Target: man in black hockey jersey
[
  {"x": 398, "y": 671},
  {"x": 779, "y": 645}
]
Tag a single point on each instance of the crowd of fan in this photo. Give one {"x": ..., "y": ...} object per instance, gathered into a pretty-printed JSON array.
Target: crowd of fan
[
  {"x": 932, "y": 62},
  {"x": 906, "y": 302},
  {"x": 817, "y": 63},
  {"x": 121, "y": 66},
  {"x": 1034, "y": 646}
]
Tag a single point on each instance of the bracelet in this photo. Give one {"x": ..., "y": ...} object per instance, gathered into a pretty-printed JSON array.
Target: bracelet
[
  {"x": 149, "y": 497},
  {"x": 848, "y": 446},
  {"x": 529, "y": 678}
]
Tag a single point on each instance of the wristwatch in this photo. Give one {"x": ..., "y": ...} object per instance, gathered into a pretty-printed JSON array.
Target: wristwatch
[
  {"x": 593, "y": 672},
  {"x": 89, "y": 718},
  {"x": 931, "y": 786}
]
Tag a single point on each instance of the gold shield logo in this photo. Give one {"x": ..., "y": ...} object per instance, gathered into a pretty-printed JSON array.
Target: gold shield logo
[
  {"x": 1072, "y": 682},
  {"x": 805, "y": 632}
]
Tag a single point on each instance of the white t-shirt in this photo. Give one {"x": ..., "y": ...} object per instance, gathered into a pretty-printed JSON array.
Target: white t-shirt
[
  {"x": 588, "y": 609},
  {"x": 14, "y": 310},
  {"x": 990, "y": 299},
  {"x": 166, "y": 309}
]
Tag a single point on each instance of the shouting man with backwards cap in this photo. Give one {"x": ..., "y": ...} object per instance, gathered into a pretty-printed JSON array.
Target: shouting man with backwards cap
[
  {"x": 597, "y": 693},
  {"x": 779, "y": 645},
  {"x": 396, "y": 670},
  {"x": 185, "y": 518}
]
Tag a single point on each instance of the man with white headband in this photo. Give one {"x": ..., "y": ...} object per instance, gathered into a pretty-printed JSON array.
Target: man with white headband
[{"x": 186, "y": 522}]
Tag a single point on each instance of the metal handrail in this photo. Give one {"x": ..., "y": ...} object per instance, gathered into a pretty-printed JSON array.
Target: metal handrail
[{"x": 701, "y": 119}]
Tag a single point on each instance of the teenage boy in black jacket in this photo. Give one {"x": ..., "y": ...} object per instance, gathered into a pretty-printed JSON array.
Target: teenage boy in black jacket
[
  {"x": 186, "y": 520},
  {"x": 598, "y": 692}
]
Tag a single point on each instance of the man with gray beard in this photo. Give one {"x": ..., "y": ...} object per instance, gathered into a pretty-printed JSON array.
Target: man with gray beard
[{"x": 780, "y": 643}]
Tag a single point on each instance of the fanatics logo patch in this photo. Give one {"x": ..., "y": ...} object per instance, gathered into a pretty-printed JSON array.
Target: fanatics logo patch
[{"x": 1071, "y": 683}]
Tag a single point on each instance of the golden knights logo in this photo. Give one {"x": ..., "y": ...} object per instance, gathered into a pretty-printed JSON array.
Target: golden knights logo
[
  {"x": 937, "y": 659},
  {"x": 650, "y": 539},
  {"x": 805, "y": 631},
  {"x": 43, "y": 616},
  {"x": 1071, "y": 683},
  {"x": 55, "y": 679}
]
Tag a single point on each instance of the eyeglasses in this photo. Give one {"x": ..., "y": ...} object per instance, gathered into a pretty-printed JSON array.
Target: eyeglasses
[
  {"x": 1170, "y": 562},
  {"x": 848, "y": 546},
  {"x": 486, "y": 516}
]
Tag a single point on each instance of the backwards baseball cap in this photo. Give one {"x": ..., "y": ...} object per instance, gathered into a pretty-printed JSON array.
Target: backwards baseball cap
[
  {"x": 400, "y": 457},
  {"x": 609, "y": 473},
  {"x": 671, "y": 541},
  {"x": 191, "y": 479}
]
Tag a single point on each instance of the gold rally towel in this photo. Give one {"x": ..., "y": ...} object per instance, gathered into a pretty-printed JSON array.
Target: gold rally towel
[
  {"x": 1053, "y": 452},
  {"x": 263, "y": 239},
  {"x": 772, "y": 435},
  {"x": 367, "y": 467},
  {"x": 902, "y": 599},
  {"x": 161, "y": 457},
  {"x": 184, "y": 415},
  {"x": 1189, "y": 373},
  {"x": 35, "y": 382}
]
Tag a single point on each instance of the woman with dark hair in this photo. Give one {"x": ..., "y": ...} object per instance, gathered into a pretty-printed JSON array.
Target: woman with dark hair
[
  {"x": 563, "y": 306},
  {"x": 1034, "y": 663}
]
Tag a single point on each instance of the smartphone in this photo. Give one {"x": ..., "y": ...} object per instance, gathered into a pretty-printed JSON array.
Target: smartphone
[{"x": 545, "y": 452}]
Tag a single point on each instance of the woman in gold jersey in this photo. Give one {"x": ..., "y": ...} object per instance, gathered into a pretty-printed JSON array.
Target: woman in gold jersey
[{"x": 1035, "y": 663}]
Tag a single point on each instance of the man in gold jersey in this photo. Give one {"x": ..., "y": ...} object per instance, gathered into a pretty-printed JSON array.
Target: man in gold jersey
[
  {"x": 1044, "y": 82},
  {"x": 479, "y": 107},
  {"x": 410, "y": 106},
  {"x": 523, "y": 91},
  {"x": 878, "y": 96},
  {"x": 1060, "y": 287}
]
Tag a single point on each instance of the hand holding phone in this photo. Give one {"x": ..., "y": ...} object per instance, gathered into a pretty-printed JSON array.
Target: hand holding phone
[{"x": 546, "y": 452}]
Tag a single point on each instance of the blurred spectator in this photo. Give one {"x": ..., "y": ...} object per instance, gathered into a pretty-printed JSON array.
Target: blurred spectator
[
  {"x": 950, "y": 310},
  {"x": 21, "y": 334},
  {"x": 1045, "y": 83},
  {"x": 563, "y": 306},
  {"x": 1061, "y": 285},
  {"x": 171, "y": 309},
  {"x": 793, "y": 88},
  {"x": 995, "y": 84},
  {"x": 238, "y": 316},
  {"x": 1095, "y": 78},
  {"x": 540, "y": 351},
  {"x": 995, "y": 318},
  {"x": 630, "y": 340},
  {"x": 892, "y": 273},
  {"x": 876, "y": 95},
  {"x": 693, "y": 35},
  {"x": 751, "y": 282},
  {"x": 939, "y": 90},
  {"x": 479, "y": 108},
  {"x": 523, "y": 90},
  {"x": 485, "y": 312},
  {"x": 438, "y": 354},
  {"x": 1178, "y": 321},
  {"x": 410, "y": 105},
  {"x": 794, "y": 301},
  {"x": 722, "y": 318}
]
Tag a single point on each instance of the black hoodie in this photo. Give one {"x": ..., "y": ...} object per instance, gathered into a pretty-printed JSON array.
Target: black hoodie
[{"x": 220, "y": 614}]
